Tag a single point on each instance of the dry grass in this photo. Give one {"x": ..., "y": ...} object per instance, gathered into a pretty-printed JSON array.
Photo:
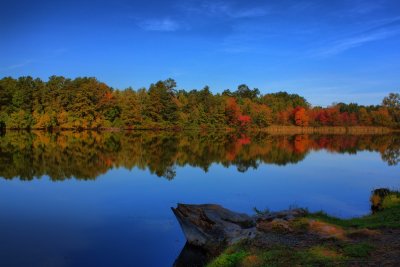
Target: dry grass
[{"x": 275, "y": 129}]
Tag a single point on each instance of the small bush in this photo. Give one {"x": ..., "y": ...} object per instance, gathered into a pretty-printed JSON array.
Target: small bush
[{"x": 228, "y": 260}]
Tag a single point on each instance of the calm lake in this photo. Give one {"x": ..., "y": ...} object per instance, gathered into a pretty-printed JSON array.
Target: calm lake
[{"x": 104, "y": 199}]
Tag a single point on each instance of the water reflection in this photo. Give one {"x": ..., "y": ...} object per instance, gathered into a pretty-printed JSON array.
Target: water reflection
[{"x": 86, "y": 155}]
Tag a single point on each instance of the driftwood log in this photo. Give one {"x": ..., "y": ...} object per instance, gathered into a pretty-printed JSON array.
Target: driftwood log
[{"x": 211, "y": 226}]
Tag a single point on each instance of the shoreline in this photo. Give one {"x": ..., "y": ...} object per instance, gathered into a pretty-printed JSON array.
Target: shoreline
[
  {"x": 293, "y": 237},
  {"x": 329, "y": 130},
  {"x": 273, "y": 129}
]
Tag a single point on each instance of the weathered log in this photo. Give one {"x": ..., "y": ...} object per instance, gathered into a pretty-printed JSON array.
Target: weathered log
[{"x": 210, "y": 226}]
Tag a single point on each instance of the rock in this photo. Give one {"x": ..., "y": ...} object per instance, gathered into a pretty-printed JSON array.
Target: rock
[
  {"x": 212, "y": 226},
  {"x": 284, "y": 215}
]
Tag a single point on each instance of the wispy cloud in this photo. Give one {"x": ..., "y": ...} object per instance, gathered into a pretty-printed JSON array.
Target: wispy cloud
[
  {"x": 380, "y": 31},
  {"x": 161, "y": 25},
  {"x": 302, "y": 6},
  {"x": 243, "y": 42},
  {"x": 346, "y": 44},
  {"x": 225, "y": 9},
  {"x": 248, "y": 13},
  {"x": 365, "y": 7},
  {"x": 383, "y": 23},
  {"x": 18, "y": 65}
]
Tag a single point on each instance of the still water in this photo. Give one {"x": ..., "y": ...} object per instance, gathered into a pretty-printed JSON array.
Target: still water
[{"x": 104, "y": 199}]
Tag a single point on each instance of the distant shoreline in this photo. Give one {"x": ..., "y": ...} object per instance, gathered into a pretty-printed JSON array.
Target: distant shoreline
[
  {"x": 86, "y": 103},
  {"x": 273, "y": 130}
]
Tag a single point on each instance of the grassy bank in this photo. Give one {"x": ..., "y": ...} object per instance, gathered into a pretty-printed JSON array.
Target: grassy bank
[
  {"x": 372, "y": 239},
  {"x": 246, "y": 255}
]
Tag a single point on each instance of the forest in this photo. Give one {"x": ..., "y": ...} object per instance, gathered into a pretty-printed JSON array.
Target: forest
[{"x": 86, "y": 103}]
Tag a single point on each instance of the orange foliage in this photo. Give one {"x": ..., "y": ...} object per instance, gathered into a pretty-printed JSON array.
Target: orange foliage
[
  {"x": 232, "y": 110},
  {"x": 300, "y": 116},
  {"x": 234, "y": 114},
  {"x": 284, "y": 117}
]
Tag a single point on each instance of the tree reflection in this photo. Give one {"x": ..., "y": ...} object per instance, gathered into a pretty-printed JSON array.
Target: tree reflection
[{"x": 86, "y": 155}]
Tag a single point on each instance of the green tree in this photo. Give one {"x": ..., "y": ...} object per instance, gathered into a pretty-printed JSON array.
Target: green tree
[
  {"x": 243, "y": 91},
  {"x": 23, "y": 94},
  {"x": 130, "y": 108},
  {"x": 392, "y": 103},
  {"x": 19, "y": 120},
  {"x": 162, "y": 105}
]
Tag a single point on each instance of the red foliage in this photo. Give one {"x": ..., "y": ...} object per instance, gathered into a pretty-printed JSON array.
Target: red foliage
[
  {"x": 333, "y": 115},
  {"x": 353, "y": 119},
  {"x": 234, "y": 114},
  {"x": 232, "y": 111},
  {"x": 244, "y": 140},
  {"x": 322, "y": 117},
  {"x": 244, "y": 120},
  {"x": 344, "y": 118}
]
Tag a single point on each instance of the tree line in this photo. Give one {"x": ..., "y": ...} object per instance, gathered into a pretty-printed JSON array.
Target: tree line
[
  {"x": 86, "y": 103},
  {"x": 87, "y": 154}
]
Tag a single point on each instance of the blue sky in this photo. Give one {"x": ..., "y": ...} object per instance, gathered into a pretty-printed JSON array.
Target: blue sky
[{"x": 342, "y": 50}]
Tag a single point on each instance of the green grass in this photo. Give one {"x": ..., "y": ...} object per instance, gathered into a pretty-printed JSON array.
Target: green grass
[
  {"x": 391, "y": 200},
  {"x": 279, "y": 256},
  {"x": 228, "y": 259},
  {"x": 389, "y": 217},
  {"x": 358, "y": 250}
]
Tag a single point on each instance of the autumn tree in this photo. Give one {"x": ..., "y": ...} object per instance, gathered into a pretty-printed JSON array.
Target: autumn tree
[
  {"x": 382, "y": 117},
  {"x": 261, "y": 115},
  {"x": 86, "y": 103},
  {"x": 300, "y": 116},
  {"x": 232, "y": 111},
  {"x": 364, "y": 117}
]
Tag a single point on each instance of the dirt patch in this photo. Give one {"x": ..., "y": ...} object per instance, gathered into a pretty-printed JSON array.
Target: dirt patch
[{"x": 387, "y": 249}]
